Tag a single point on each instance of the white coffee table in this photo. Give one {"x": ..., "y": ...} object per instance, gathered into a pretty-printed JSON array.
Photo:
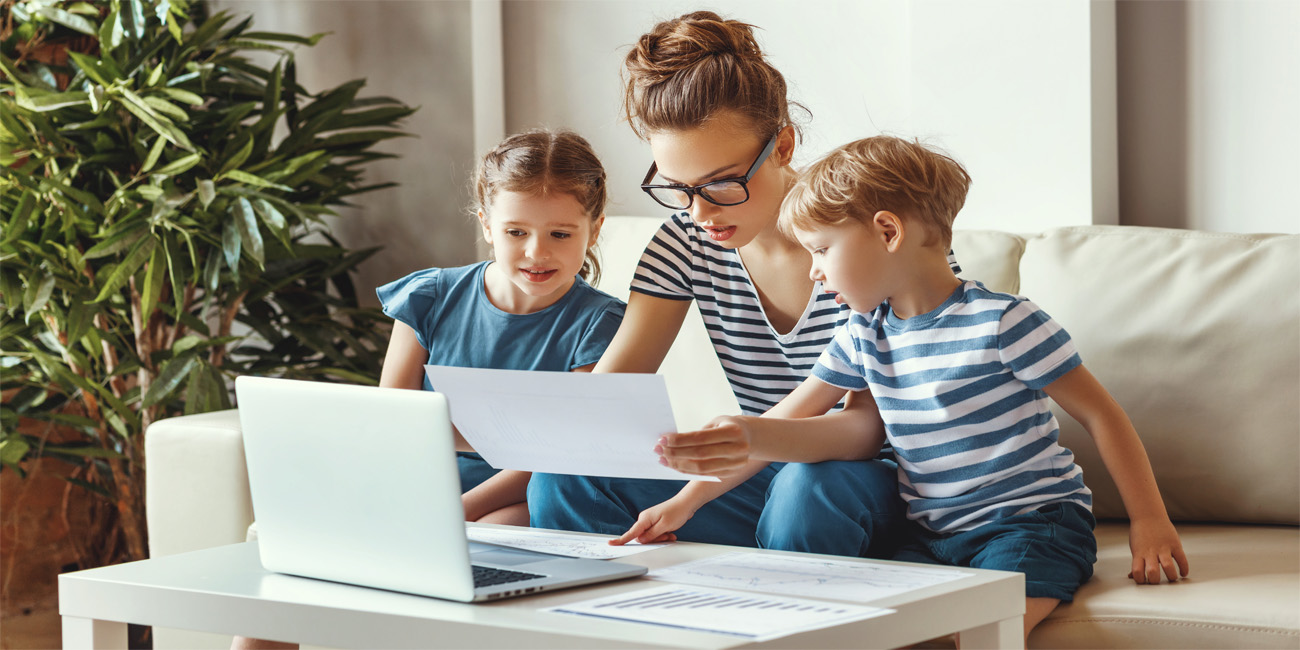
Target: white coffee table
[{"x": 225, "y": 590}]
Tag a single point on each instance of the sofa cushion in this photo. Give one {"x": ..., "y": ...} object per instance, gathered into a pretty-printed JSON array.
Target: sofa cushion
[
  {"x": 1195, "y": 334},
  {"x": 990, "y": 257},
  {"x": 1243, "y": 592}
]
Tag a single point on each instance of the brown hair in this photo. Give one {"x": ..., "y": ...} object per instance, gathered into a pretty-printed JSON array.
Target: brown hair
[
  {"x": 881, "y": 173},
  {"x": 687, "y": 70},
  {"x": 540, "y": 162}
]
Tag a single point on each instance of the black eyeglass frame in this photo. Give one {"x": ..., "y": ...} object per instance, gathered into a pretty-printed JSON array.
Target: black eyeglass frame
[{"x": 692, "y": 191}]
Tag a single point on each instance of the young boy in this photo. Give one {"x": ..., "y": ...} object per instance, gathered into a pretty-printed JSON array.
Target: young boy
[{"x": 961, "y": 376}]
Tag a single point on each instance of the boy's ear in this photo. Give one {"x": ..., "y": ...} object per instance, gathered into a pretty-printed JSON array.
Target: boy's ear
[
  {"x": 785, "y": 142},
  {"x": 595, "y": 230},
  {"x": 889, "y": 228},
  {"x": 487, "y": 232}
]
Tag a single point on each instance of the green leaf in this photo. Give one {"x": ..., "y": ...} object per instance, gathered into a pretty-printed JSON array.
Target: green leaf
[
  {"x": 238, "y": 159},
  {"x": 65, "y": 18},
  {"x": 270, "y": 216},
  {"x": 167, "y": 108},
  {"x": 230, "y": 245},
  {"x": 160, "y": 124},
  {"x": 134, "y": 260},
  {"x": 183, "y": 96},
  {"x": 155, "y": 76},
  {"x": 180, "y": 165},
  {"x": 287, "y": 38},
  {"x": 207, "y": 192},
  {"x": 12, "y": 450},
  {"x": 154, "y": 153},
  {"x": 94, "y": 68},
  {"x": 246, "y": 220},
  {"x": 245, "y": 177},
  {"x": 110, "y": 31},
  {"x": 35, "y": 99},
  {"x": 212, "y": 271},
  {"x": 153, "y": 283},
  {"x": 37, "y": 295},
  {"x": 133, "y": 19},
  {"x": 81, "y": 451},
  {"x": 123, "y": 236},
  {"x": 171, "y": 376},
  {"x": 17, "y": 224}
]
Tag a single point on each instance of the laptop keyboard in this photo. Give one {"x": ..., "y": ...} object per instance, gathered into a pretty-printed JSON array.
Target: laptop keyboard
[{"x": 487, "y": 576}]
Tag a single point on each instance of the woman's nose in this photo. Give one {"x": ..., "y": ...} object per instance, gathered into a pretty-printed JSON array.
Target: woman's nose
[{"x": 702, "y": 210}]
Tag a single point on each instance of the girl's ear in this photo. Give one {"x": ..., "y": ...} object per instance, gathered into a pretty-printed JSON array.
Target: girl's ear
[
  {"x": 595, "y": 230},
  {"x": 889, "y": 228},
  {"x": 785, "y": 142},
  {"x": 487, "y": 232}
]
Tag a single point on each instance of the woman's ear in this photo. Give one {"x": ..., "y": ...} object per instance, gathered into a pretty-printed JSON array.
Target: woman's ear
[
  {"x": 487, "y": 232},
  {"x": 785, "y": 141},
  {"x": 890, "y": 229},
  {"x": 595, "y": 230}
]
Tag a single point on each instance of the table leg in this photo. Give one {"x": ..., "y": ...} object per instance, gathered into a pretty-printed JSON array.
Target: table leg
[
  {"x": 87, "y": 633},
  {"x": 1006, "y": 633}
]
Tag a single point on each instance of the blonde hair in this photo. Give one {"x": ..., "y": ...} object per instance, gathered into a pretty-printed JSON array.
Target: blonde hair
[
  {"x": 692, "y": 68},
  {"x": 541, "y": 162},
  {"x": 861, "y": 178}
]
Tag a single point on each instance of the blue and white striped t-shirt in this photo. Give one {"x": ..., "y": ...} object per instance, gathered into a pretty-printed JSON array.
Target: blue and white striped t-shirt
[
  {"x": 763, "y": 366},
  {"x": 960, "y": 391}
]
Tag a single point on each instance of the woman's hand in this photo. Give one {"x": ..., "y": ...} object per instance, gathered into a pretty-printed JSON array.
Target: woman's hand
[
  {"x": 1156, "y": 547},
  {"x": 657, "y": 524},
  {"x": 722, "y": 447}
]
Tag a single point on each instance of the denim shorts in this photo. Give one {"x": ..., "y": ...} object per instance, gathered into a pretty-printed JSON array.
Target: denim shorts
[{"x": 1053, "y": 546}]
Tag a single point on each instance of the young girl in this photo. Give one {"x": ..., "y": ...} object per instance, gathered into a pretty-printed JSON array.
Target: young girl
[
  {"x": 540, "y": 197},
  {"x": 718, "y": 121},
  {"x": 541, "y": 200}
]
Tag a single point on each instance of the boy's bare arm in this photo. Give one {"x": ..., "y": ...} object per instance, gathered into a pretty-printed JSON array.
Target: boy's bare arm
[{"x": 1152, "y": 537}]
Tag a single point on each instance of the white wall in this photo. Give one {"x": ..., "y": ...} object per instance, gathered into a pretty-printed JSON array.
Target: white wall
[
  {"x": 1201, "y": 133},
  {"x": 1210, "y": 114},
  {"x": 1007, "y": 86}
]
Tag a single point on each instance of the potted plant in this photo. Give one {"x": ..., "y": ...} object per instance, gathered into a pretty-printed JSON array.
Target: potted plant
[{"x": 163, "y": 196}]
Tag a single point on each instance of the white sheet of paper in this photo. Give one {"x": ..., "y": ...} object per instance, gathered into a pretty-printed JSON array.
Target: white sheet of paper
[
  {"x": 594, "y": 548},
  {"x": 721, "y": 611},
  {"x": 562, "y": 422},
  {"x": 837, "y": 579}
]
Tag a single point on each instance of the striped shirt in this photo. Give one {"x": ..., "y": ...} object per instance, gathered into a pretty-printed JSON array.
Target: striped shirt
[
  {"x": 762, "y": 366},
  {"x": 961, "y": 392}
]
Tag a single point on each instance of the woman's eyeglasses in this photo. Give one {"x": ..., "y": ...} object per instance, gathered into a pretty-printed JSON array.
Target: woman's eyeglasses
[{"x": 726, "y": 191}]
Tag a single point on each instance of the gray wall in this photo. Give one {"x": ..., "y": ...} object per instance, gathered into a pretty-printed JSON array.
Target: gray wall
[{"x": 419, "y": 53}]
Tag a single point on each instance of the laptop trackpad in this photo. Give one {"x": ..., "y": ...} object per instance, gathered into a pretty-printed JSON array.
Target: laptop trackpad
[{"x": 497, "y": 556}]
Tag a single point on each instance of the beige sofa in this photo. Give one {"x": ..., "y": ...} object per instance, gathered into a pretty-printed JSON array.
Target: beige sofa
[{"x": 1196, "y": 334}]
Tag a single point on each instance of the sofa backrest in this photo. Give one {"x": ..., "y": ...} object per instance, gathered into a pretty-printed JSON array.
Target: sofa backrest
[{"x": 1196, "y": 335}]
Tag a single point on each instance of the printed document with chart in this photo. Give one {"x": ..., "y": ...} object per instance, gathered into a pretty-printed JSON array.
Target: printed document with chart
[{"x": 561, "y": 422}]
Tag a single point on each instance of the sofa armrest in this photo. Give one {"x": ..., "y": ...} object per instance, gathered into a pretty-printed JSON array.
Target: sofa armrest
[{"x": 196, "y": 488}]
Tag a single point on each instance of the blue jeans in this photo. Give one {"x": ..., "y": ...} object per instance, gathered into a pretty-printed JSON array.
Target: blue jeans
[{"x": 838, "y": 507}]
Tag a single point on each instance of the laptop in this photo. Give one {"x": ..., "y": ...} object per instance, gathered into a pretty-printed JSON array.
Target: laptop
[{"x": 359, "y": 485}]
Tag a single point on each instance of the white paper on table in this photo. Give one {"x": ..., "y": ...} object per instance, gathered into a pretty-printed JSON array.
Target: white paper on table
[
  {"x": 585, "y": 546},
  {"x": 562, "y": 422},
  {"x": 721, "y": 611},
  {"x": 861, "y": 581}
]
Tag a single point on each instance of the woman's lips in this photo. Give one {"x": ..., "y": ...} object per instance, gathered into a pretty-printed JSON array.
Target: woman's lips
[
  {"x": 538, "y": 276},
  {"x": 720, "y": 233}
]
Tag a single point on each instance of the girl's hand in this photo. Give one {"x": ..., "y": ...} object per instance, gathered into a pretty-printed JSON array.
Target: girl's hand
[
  {"x": 657, "y": 524},
  {"x": 1156, "y": 547},
  {"x": 722, "y": 447}
]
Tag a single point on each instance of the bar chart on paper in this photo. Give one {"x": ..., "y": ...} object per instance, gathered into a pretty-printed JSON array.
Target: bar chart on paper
[
  {"x": 798, "y": 576},
  {"x": 755, "y": 616}
]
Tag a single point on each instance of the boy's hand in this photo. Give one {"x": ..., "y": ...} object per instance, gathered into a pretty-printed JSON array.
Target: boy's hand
[
  {"x": 722, "y": 447},
  {"x": 657, "y": 524},
  {"x": 1156, "y": 548}
]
